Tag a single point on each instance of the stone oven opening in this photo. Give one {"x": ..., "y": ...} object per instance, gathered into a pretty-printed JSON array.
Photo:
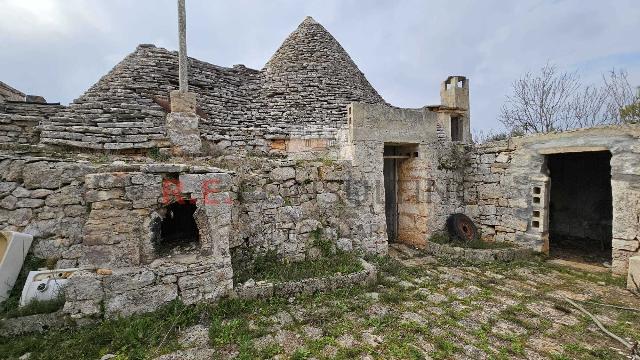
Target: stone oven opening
[
  {"x": 178, "y": 229},
  {"x": 401, "y": 192},
  {"x": 580, "y": 206}
]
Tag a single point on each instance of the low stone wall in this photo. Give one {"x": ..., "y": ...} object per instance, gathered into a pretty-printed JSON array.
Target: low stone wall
[
  {"x": 32, "y": 324},
  {"x": 477, "y": 255},
  {"x": 287, "y": 207},
  {"x": 108, "y": 216},
  {"x": 44, "y": 197},
  {"x": 265, "y": 289},
  {"x": 496, "y": 196},
  {"x": 134, "y": 290}
]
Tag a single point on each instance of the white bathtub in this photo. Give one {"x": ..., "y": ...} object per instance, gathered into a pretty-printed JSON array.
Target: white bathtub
[{"x": 14, "y": 247}]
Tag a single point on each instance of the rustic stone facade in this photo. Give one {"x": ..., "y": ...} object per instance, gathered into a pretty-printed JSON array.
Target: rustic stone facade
[
  {"x": 506, "y": 177},
  {"x": 291, "y": 154}
]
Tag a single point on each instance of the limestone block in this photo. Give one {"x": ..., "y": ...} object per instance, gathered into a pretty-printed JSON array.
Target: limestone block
[
  {"x": 281, "y": 174},
  {"x": 84, "y": 285},
  {"x": 19, "y": 217},
  {"x": 139, "y": 301},
  {"x": 626, "y": 206},
  {"x": 128, "y": 279},
  {"x": 183, "y": 132},
  {"x": 40, "y": 193},
  {"x": 140, "y": 192},
  {"x": 107, "y": 180},
  {"x": 6, "y": 187},
  {"x": 326, "y": 200},
  {"x": 306, "y": 174},
  {"x": 626, "y": 245},
  {"x": 163, "y": 168},
  {"x": 41, "y": 175},
  {"x": 146, "y": 179},
  {"x": 68, "y": 195},
  {"x": 183, "y": 102},
  {"x": 21, "y": 192},
  {"x": 9, "y": 202},
  {"x": 489, "y": 191},
  {"x": 502, "y": 158},
  {"x": 29, "y": 203},
  {"x": 513, "y": 222},
  {"x": 102, "y": 195},
  {"x": 199, "y": 185}
]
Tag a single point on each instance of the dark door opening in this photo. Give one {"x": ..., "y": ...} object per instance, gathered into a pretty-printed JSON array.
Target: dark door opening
[
  {"x": 178, "y": 229},
  {"x": 456, "y": 128},
  {"x": 390, "y": 169},
  {"x": 580, "y": 206}
]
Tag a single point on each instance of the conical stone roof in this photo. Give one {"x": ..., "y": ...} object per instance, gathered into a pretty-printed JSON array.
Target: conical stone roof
[
  {"x": 311, "y": 78},
  {"x": 304, "y": 89}
]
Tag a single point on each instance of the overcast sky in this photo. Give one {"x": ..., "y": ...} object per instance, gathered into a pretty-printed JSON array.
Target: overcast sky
[{"x": 59, "y": 48}]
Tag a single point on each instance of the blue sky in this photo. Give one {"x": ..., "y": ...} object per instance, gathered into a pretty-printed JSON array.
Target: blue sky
[{"x": 59, "y": 48}]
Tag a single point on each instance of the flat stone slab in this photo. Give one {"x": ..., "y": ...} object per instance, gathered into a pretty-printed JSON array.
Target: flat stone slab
[
  {"x": 580, "y": 266},
  {"x": 477, "y": 256}
]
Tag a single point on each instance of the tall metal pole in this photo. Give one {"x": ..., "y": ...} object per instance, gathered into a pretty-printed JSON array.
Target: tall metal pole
[{"x": 182, "y": 31}]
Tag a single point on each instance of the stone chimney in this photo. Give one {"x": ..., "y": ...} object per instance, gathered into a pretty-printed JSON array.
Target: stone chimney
[{"x": 454, "y": 109}]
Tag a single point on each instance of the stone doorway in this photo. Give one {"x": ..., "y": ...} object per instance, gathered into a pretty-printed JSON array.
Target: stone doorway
[
  {"x": 401, "y": 192},
  {"x": 580, "y": 206}
]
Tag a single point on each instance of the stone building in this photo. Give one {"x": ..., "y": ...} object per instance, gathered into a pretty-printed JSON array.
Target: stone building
[{"x": 301, "y": 149}]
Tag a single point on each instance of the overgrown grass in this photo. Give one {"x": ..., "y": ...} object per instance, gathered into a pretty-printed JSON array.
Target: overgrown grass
[
  {"x": 444, "y": 239},
  {"x": 37, "y": 307},
  {"x": 9, "y": 307},
  {"x": 156, "y": 154},
  {"x": 270, "y": 268},
  {"x": 138, "y": 337}
]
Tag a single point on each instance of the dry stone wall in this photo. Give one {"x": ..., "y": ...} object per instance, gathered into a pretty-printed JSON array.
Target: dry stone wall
[
  {"x": 289, "y": 207},
  {"x": 44, "y": 197},
  {"x": 497, "y": 193},
  {"x": 106, "y": 219},
  {"x": 19, "y": 121}
]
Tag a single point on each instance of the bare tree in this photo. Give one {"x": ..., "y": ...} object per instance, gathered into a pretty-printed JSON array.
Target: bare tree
[
  {"x": 588, "y": 107},
  {"x": 620, "y": 96},
  {"x": 540, "y": 103},
  {"x": 556, "y": 101}
]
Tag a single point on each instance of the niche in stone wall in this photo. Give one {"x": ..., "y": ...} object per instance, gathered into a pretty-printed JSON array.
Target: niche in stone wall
[{"x": 177, "y": 232}]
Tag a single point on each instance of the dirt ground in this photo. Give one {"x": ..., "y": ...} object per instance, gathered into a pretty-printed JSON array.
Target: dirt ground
[{"x": 428, "y": 309}]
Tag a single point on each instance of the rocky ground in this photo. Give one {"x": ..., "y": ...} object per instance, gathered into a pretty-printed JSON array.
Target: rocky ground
[{"x": 429, "y": 309}]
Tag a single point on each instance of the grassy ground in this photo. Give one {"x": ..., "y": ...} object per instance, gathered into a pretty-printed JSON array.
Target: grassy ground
[
  {"x": 270, "y": 268},
  {"x": 438, "y": 311},
  {"x": 444, "y": 239}
]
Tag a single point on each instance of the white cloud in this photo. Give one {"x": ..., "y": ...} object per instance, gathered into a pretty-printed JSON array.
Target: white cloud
[
  {"x": 46, "y": 19},
  {"x": 405, "y": 48}
]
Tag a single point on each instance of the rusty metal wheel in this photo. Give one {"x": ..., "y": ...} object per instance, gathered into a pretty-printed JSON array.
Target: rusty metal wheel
[{"x": 462, "y": 228}]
